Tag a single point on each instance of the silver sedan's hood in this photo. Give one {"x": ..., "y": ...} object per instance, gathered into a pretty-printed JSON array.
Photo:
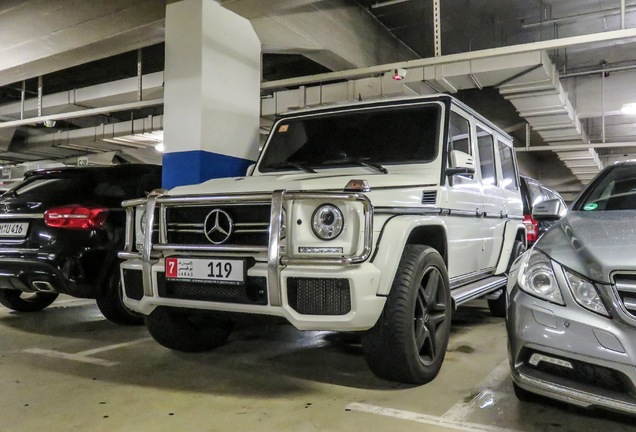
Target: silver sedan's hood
[{"x": 593, "y": 244}]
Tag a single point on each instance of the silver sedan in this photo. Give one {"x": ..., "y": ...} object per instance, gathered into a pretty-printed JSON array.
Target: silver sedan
[{"x": 571, "y": 314}]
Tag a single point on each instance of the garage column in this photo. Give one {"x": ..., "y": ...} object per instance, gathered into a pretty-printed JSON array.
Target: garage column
[{"x": 212, "y": 93}]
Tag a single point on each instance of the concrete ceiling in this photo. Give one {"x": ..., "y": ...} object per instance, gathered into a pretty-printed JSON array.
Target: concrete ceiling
[{"x": 87, "y": 55}]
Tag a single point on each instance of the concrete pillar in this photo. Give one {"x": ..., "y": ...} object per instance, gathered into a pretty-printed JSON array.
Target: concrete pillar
[{"x": 212, "y": 93}]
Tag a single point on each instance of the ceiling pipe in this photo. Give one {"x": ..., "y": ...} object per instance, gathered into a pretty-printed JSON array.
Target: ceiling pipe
[
  {"x": 602, "y": 13},
  {"x": 570, "y": 147},
  {"x": 382, "y": 4}
]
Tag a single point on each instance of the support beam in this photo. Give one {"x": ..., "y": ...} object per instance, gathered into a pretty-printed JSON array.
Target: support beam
[
  {"x": 333, "y": 33},
  {"x": 42, "y": 38},
  {"x": 451, "y": 58},
  {"x": 83, "y": 113}
]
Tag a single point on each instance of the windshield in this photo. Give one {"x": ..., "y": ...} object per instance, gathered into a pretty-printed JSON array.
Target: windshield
[
  {"x": 369, "y": 138},
  {"x": 615, "y": 191}
]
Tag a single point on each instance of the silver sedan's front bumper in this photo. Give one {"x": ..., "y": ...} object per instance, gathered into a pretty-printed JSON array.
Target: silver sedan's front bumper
[{"x": 569, "y": 353}]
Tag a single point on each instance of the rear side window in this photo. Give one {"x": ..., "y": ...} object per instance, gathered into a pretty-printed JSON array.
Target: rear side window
[
  {"x": 50, "y": 189},
  {"x": 508, "y": 167}
]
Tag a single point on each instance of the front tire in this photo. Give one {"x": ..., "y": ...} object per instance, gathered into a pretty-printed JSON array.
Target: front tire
[
  {"x": 112, "y": 306},
  {"x": 522, "y": 394},
  {"x": 188, "y": 331},
  {"x": 498, "y": 307},
  {"x": 408, "y": 343},
  {"x": 26, "y": 302}
]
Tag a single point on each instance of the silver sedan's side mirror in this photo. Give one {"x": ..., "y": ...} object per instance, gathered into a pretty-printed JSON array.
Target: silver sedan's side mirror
[{"x": 552, "y": 209}]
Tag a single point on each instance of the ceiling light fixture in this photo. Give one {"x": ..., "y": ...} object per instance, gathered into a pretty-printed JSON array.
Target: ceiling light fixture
[{"x": 629, "y": 108}]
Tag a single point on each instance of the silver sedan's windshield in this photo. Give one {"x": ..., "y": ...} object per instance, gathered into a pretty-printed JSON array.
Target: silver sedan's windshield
[
  {"x": 372, "y": 138},
  {"x": 614, "y": 191}
]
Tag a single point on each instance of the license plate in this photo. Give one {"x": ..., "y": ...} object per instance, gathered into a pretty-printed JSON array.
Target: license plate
[
  {"x": 215, "y": 270},
  {"x": 14, "y": 229}
]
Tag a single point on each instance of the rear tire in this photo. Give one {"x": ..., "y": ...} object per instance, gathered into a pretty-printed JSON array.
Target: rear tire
[
  {"x": 188, "y": 331},
  {"x": 409, "y": 341},
  {"x": 26, "y": 302},
  {"x": 498, "y": 307},
  {"x": 112, "y": 306}
]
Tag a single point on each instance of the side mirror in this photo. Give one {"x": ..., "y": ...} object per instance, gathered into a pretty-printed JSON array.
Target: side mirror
[
  {"x": 460, "y": 163},
  {"x": 250, "y": 170},
  {"x": 549, "y": 210}
]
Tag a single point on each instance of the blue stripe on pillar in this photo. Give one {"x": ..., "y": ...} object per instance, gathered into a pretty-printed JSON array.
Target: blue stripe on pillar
[{"x": 197, "y": 166}]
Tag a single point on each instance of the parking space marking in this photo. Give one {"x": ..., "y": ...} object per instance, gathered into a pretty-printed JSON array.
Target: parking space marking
[
  {"x": 462, "y": 410},
  {"x": 425, "y": 418},
  {"x": 72, "y": 302},
  {"x": 83, "y": 356}
]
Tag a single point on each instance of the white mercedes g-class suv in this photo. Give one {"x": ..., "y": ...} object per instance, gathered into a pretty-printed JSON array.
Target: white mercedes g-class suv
[{"x": 375, "y": 217}]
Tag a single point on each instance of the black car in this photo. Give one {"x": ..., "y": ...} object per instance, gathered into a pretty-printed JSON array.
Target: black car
[
  {"x": 532, "y": 193},
  {"x": 60, "y": 231}
]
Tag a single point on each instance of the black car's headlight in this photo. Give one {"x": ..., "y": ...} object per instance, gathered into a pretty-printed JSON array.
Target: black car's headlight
[
  {"x": 585, "y": 293},
  {"x": 327, "y": 222},
  {"x": 536, "y": 277}
]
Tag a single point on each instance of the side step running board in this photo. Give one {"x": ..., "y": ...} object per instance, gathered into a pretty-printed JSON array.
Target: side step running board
[{"x": 477, "y": 289}]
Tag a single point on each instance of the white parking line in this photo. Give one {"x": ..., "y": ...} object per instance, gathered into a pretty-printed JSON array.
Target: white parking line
[
  {"x": 425, "y": 418},
  {"x": 112, "y": 347},
  {"x": 462, "y": 410},
  {"x": 83, "y": 356},
  {"x": 72, "y": 302}
]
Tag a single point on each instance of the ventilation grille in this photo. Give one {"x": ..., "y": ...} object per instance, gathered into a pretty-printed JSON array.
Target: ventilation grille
[
  {"x": 133, "y": 284},
  {"x": 310, "y": 296},
  {"x": 254, "y": 292},
  {"x": 429, "y": 197}
]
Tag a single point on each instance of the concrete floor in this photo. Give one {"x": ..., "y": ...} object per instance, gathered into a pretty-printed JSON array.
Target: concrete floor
[{"x": 68, "y": 369}]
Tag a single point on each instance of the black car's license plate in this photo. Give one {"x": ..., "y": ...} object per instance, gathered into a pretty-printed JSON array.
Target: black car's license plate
[{"x": 14, "y": 229}]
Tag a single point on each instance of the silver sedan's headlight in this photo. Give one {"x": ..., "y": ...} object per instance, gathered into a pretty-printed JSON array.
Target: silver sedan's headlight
[
  {"x": 585, "y": 293},
  {"x": 536, "y": 277},
  {"x": 327, "y": 222}
]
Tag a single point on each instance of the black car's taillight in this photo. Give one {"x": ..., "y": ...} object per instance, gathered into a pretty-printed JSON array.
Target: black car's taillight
[
  {"x": 532, "y": 228},
  {"x": 76, "y": 217}
]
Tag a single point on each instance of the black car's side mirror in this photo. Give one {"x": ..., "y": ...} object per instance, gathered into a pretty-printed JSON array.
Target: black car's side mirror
[{"x": 549, "y": 210}]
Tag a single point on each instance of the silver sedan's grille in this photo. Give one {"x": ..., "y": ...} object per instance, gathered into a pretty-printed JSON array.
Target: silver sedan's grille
[{"x": 625, "y": 285}]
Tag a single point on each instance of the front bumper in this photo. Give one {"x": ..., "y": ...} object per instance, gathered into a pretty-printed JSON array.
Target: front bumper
[
  {"x": 362, "y": 311},
  {"x": 570, "y": 354}
]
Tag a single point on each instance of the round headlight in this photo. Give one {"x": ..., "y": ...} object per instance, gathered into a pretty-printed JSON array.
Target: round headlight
[{"x": 327, "y": 222}]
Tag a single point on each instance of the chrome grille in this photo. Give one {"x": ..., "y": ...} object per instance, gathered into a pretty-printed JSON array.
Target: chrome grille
[
  {"x": 185, "y": 224},
  {"x": 625, "y": 285}
]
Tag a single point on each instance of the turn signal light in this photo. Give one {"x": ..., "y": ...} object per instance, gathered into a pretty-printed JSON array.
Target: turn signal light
[
  {"x": 357, "y": 186},
  {"x": 75, "y": 217}
]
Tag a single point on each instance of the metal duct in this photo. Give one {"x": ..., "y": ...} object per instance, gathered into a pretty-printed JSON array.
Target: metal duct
[{"x": 544, "y": 104}]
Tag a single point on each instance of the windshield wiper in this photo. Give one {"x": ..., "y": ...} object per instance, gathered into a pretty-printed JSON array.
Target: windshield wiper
[
  {"x": 289, "y": 164},
  {"x": 359, "y": 161}
]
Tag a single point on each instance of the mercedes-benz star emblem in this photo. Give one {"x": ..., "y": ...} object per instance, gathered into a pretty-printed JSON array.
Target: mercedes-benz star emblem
[{"x": 218, "y": 226}]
